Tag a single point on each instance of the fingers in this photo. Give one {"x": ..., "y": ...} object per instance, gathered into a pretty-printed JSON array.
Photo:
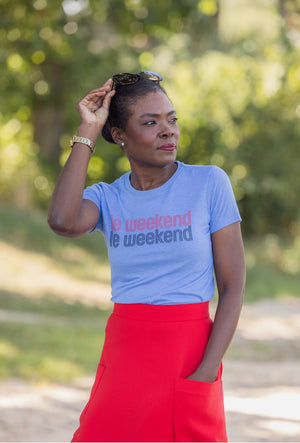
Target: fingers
[
  {"x": 96, "y": 100},
  {"x": 97, "y": 95},
  {"x": 93, "y": 97},
  {"x": 106, "y": 87},
  {"x": 107, "y": 99},
  {"x": 94, "y": 107}
]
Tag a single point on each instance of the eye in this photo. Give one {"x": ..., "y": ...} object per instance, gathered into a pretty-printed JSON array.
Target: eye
[
  {"x": 149, "y": 123},
  {"x": 174, "y": 120}
]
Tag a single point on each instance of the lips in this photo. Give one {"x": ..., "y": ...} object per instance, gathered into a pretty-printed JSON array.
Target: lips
[{"x": 168, "y": 147}]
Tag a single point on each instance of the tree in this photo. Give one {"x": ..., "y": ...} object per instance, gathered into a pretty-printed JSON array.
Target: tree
[{"x": 232, "y": 73}]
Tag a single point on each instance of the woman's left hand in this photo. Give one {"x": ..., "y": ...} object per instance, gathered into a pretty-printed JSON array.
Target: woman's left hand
[{"x": 203, "y": 375}]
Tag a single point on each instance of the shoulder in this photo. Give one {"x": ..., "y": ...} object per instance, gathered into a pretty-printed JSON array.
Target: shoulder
[
  {"x": 114, "y": 187},
  {"x": 101, "y": 192},
  {"x": 204, "y": 172}
]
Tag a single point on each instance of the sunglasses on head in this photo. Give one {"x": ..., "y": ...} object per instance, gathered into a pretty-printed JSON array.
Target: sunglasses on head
[{"x": 129, "y": 79}]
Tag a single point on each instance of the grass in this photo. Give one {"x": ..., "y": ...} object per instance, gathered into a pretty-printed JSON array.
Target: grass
[
  {"x": 49, "y": 353},
  {"x": 273, "y": 267},
  {"x": 85, "y": 257},
  {"x": 278, "y": 350},
  {"x": 52, "y": 278},
  {"x": 65, "y": 337}
]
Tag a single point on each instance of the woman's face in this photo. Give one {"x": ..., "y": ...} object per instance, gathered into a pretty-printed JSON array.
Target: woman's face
[{"x": 152, "y": 133}]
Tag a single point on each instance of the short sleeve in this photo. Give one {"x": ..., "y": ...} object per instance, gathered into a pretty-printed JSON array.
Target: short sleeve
[
  {"x": 222, "y": 204},
  {"x": 94, "y": 194}
]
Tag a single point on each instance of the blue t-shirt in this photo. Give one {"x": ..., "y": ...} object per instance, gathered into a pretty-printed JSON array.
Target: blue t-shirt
[{"x": 159, "y": 241}]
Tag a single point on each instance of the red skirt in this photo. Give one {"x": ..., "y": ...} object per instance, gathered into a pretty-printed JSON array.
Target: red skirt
[{"x": 141, "y": 392}]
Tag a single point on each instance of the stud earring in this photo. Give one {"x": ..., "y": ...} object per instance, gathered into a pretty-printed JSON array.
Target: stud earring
[{"x": 122, "y": 144}]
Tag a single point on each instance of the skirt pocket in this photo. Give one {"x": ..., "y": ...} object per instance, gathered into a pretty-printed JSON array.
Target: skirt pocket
[{"x": 199, "y": 411}]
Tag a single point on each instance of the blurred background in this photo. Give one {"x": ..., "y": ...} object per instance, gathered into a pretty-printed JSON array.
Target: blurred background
[{"x": 232, "y": 70}]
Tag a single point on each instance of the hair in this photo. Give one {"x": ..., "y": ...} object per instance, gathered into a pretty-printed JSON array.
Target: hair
[{"x": 122, "y": 102}]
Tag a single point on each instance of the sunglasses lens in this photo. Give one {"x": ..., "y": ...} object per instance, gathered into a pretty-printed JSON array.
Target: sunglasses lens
[
  {"x": 128, "y": 79},
  {"x": 151, "y": 75},
  {"x": 125, "y": 78}
]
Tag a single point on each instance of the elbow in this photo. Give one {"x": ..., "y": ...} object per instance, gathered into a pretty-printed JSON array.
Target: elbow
[{"x": 58, "y": 225}]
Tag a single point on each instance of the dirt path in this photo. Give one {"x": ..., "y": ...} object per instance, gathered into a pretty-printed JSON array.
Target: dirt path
[{"x": 261, "y": 385}]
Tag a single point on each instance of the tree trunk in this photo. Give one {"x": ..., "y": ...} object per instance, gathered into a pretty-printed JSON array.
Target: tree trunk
[
  {"x": 48, "y": 114},
  {"x": 48, "y": 121}
]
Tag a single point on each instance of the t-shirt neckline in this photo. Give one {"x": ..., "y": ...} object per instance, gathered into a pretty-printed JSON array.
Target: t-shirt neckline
[{"x": 131, "y": 189}]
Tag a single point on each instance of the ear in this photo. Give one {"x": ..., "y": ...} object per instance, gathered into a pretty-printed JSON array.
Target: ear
[{"x": 117, "y": 135}]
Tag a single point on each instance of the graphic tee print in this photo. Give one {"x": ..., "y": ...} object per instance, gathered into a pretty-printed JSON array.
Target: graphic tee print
[{"x": 159, "y": 241}]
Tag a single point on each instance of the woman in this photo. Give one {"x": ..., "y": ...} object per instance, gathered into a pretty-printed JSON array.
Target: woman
[{"x": 168, "y": 227}]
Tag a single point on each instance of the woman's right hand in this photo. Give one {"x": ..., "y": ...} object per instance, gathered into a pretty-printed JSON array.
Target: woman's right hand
[{"x": 94, "y": 107}]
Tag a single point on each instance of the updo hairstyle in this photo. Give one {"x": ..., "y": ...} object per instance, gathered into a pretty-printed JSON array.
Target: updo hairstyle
[{"x": 122, "y": 102}]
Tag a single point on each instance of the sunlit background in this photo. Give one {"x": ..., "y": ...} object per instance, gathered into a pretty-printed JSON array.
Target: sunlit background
[{"x": 232, "y": 70}]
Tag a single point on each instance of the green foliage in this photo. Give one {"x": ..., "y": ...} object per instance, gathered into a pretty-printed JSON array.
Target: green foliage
[{"x": 232, "y": 73}]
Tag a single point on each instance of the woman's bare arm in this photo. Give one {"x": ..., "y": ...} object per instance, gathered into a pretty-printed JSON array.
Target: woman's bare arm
[
  {"x": 70, "y": 215},
  {"x": 229, "y": 263}
]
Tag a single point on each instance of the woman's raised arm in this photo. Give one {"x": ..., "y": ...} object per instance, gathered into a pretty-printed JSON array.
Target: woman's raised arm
[{"x": 70, "y": 215}]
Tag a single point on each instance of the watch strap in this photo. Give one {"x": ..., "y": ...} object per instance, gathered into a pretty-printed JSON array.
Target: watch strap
[{"x": 84, "y": 141}]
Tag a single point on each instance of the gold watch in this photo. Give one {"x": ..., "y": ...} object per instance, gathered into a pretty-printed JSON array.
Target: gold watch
[{"x": 84, "y": 141}]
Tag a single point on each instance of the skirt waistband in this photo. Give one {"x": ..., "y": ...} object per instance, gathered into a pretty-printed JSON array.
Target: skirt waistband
[{"x": 164, "y": 313}]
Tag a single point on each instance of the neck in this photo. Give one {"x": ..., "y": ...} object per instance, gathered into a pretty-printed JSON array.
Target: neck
[{"x": 152, "y": 177}]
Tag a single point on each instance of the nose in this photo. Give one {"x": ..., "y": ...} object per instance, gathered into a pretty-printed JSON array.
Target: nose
[{"x": 166, "y": 130}]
